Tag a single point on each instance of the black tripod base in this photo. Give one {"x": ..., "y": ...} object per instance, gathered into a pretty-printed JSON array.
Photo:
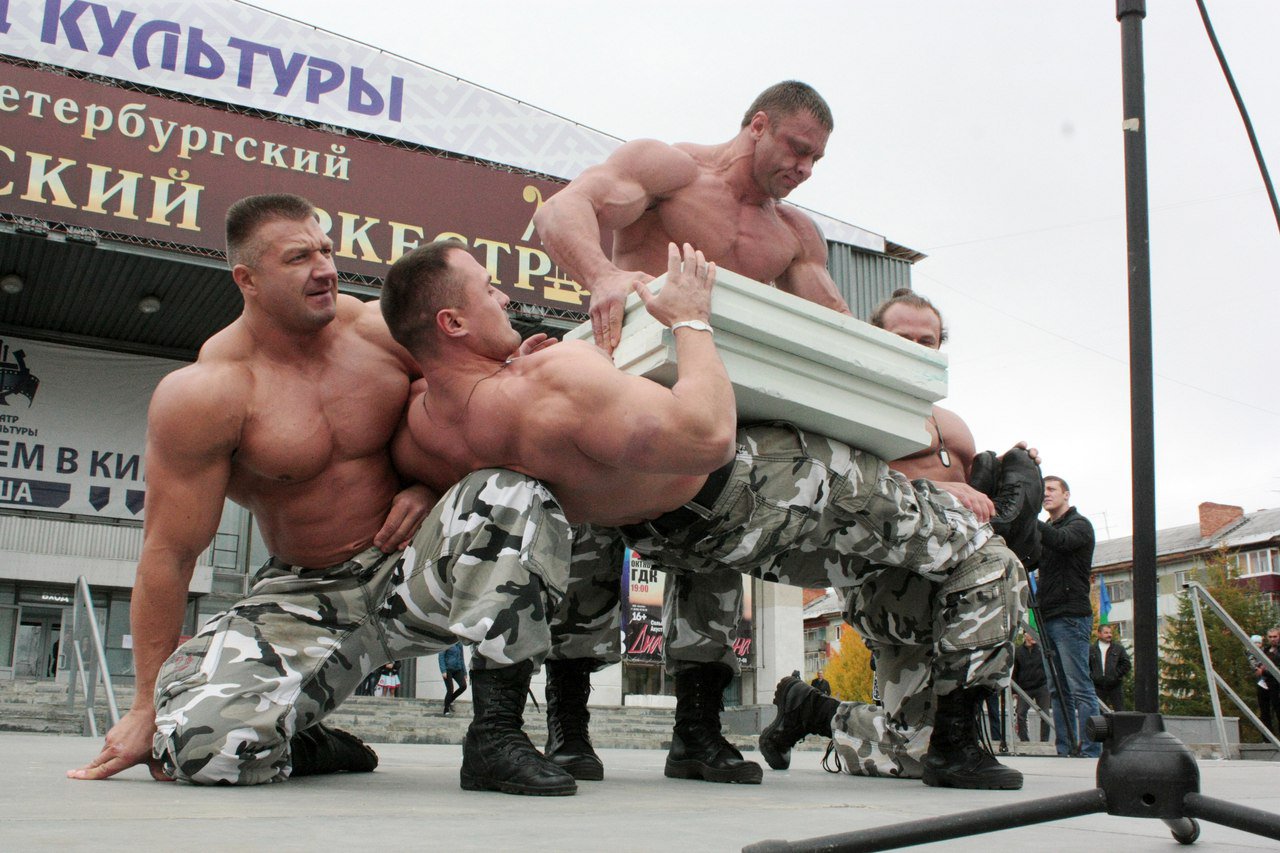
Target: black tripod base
[{"x": 1144, "y": 772}]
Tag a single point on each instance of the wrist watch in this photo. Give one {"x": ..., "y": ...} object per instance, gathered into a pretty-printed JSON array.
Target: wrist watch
[{"x": 697, "y": 325}]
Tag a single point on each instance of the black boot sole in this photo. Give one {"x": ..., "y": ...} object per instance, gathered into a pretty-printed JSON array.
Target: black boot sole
[
  {"x": 1011, "y": 781},
  {"x": 746, "y": 774},
  {"x": 777, "y": 759},
  {"x": 584, "y": 768},
  {"x": 472, "y": 782}
]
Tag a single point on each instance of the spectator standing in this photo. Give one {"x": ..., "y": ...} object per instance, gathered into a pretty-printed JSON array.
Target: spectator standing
[
  {"x": 389, "y": 680},
  {"x": 453, "y": 668},
  {"x": 1067, "y": 541},
  {"x": 1270, "y": 703},
  {"x": 1262, "y": 690},
  {"x": 1109, "y": 664},
  {"x": 1029, "y": 674},
  {"x": 821, "y": 684}
]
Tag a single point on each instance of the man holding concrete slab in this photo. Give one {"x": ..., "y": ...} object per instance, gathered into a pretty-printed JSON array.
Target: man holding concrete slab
[
  {"x": 670, "y": 469},
  {"x": 723, "y": 199}
]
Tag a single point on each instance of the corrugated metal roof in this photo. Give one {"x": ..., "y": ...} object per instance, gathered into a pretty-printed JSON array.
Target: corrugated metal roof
[
  {"x": 1256, "y": 528},
  {"x": 865, "y": 279}
]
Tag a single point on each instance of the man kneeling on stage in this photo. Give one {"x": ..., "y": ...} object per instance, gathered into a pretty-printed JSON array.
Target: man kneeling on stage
[{"x": 671, "y": 473}]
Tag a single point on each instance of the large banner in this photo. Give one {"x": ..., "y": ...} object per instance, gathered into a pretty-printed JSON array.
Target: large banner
[
  {"x": 95, "y": 156},
  {"x": 73, "y": 428},
  {"x": 642, "y": 632},
  {"x": 230, "y": 52}
]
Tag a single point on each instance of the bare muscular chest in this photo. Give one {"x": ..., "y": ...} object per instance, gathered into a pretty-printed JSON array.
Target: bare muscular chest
[
  {"x": 749, "y": 239},
  {"x": 301, "y": 424}
]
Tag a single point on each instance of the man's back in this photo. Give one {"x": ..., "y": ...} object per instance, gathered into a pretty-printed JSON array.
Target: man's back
[{"x": 536, "y": 415}]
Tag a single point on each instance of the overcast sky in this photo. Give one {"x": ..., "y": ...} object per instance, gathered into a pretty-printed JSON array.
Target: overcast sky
[{"x": 986, "y": 135}]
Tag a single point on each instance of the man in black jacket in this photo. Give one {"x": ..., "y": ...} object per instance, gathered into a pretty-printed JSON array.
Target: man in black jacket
[
  {"x": 1029, "y": 674},
  {"x": 1067, "y": 613},
  {"x": 1108, "y": 665}
]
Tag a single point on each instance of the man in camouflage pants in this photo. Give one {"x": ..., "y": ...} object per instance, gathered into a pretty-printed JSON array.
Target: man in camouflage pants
[
  {"x": 687, "y": 487},
  {"x": 488, "y": 564},
  {"x": 289, "y": 411},
  {"x": 937, "y": 593}
]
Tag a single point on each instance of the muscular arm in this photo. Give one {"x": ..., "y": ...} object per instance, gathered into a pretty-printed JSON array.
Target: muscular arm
[
  {"x": 191, "y": 434},
  {"x": 609, "y": 197},
  {"x": 807, "y": 276},
  {"x": 630, "y": 422},
  {"x": 1076, "y": 533}
]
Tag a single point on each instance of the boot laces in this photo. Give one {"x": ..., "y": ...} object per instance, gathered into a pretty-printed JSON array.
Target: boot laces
[{"x": 831, "y": 758}]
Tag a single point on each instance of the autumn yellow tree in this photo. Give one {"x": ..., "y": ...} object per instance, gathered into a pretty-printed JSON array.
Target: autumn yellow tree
[{"x": 849, "y": 669}]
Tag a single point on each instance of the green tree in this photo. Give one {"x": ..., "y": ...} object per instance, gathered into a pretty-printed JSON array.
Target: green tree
[
  {"x": 1184, "y": 686},
  {"x": 849, "y": 669}
]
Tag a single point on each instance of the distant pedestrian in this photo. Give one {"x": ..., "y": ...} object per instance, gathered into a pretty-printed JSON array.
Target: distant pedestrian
[
  {"x": 389, "y": 679},
  {"x": 453, "y": 667},
  {"x": 1108, "y": 665},
  {"x": 821, "y": 684}
]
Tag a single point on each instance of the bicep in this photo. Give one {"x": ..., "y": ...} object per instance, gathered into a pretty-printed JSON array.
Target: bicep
[
  {"x": 188, "y": 460},
  {"x": 620, "y": 189},
  {"x": 807, "y": 275},
  {"x": 625, "y": 421}
]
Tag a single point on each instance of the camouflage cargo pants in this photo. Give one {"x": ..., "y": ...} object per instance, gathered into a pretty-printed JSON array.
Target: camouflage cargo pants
[
  {"x": 588, "y": 622},
  {"x": 488, "y": 565},
  {"x": 936, "y": 595}
]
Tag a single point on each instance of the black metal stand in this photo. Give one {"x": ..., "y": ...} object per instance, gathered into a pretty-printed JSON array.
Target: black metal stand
[{"x": 1144, "y": 772}]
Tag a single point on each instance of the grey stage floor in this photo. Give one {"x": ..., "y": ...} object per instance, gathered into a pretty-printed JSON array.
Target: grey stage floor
[{"x": 413, "y": 802}]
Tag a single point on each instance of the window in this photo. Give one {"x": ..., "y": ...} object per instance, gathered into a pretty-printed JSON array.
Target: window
[{"x": 1262, "y": 562}]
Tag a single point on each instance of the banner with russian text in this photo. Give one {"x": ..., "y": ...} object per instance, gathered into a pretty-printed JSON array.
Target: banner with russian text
[
  {"x": 235, "y": 53},
  {"x": 73, "y": 428},
  {"x": 642, "y": 630},
  {"x": 94, "y": 156}
]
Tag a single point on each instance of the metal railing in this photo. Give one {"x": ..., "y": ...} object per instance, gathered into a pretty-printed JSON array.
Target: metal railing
[
  {"x": 84, "y": 631},
  {"x": 1199, "y": 594}
]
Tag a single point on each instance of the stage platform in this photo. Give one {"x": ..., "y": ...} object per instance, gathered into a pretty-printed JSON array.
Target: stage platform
[{"x": 413, "y": 802}]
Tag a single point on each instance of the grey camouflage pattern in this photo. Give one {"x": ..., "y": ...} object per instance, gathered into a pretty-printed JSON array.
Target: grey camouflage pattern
[
  {"x": 935, "y": 593},
  {"x": 487, "y": 566},
  {"x": 972, "y": 648},
  {"x": 588, "y": 622}
]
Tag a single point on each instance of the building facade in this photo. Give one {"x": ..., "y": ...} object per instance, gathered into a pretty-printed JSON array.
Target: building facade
[
  {"x": 124, "y": 137},
  {"x": 1251, "y": 539}
]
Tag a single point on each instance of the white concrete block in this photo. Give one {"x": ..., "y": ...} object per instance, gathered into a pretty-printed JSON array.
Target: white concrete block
[{"x": 792, "y": 360}]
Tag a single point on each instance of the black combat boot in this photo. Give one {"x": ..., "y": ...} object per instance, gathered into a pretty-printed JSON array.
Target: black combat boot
[
  {"x": 802, "y": 710},
  {"x": 984, "y": 473},
  {"x": 568, "y": 741},
  {"x": 957, "y": 758},
  {"x": 1018, "y": 499},
  {"x": 1014, "y": 485},
  {"x": 698, "y": 750},
  {"x": 496, "y": 754},
  {"x": 320, "y": 749}
]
